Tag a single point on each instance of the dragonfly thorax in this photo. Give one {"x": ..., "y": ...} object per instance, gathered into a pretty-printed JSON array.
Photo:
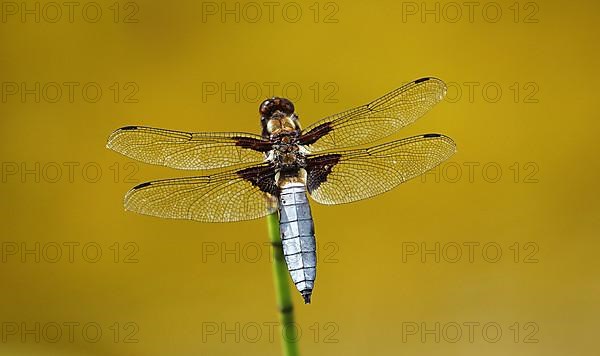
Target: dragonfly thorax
[{"x": 287, "y": 155}]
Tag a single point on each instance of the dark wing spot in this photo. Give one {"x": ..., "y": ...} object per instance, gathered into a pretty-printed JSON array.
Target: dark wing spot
[
  {"x": 431, "y": 135},
  {"x": 420, "y": 80},
  {"x": 142, "y": 185},
  {"x": 129, "y": 128},
  {"x": 319, "y": 168}
]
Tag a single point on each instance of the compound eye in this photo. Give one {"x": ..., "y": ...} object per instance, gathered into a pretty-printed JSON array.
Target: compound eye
[
  {"x": 269, "y": 106},
  {"x": 265, "y": 107},
  {"x": 286, "y": 106}
]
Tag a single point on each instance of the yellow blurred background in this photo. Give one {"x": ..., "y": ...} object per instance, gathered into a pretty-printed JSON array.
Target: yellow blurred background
[{"x": 493, "y": 253}]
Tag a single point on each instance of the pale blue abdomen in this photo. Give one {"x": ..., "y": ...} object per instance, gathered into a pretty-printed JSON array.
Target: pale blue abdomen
[{"x": 298, "y": 237}]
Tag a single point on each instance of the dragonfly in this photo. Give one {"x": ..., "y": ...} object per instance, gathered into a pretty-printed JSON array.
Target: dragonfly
[{"x": 275, "y": 172}]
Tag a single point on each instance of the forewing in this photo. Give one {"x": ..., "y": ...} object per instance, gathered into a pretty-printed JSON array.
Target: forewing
[
  {"x": 234, "y": 195},
  {"x": 352, "y": 175},
  {"x": 186, "y": 150},
  {"x": 376, "y": 120}
]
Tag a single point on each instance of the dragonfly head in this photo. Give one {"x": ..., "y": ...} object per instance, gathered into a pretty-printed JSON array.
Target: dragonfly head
[
  {"x": 271, "y": 106},
  {"x": 277, "y": 116}
]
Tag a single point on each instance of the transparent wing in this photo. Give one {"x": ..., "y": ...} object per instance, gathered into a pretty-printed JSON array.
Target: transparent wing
[
  {"x": 347, "y": 176},
  {"x": 228, "y": 196},
  {"x": 186, "y": 150},
  {"x": 376, "y": 120}
]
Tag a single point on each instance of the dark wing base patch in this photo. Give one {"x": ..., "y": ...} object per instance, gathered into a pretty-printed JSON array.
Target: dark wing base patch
[
  {"x": 314, "y": 134},
  {"x": 262, "y": 177},
  {"x": 318, "y": 168},
  {"x": 187, "y": 150},
  {"x": 234, "y": 195},
  {"x": 351, "y": 175},
  {"x": 253, "y": 144},
  {"x": 376, "y": 120}
]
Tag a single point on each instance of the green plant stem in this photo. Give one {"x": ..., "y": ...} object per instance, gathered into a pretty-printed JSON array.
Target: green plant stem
[{"x": 289, "y": 335}]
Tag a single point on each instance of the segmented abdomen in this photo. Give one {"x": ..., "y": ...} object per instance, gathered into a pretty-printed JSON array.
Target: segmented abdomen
[{"x": 298, "y": 237}]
